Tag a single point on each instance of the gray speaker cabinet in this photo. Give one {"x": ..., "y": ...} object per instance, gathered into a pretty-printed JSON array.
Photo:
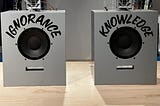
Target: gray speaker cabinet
[
  {"x": 33, "y": 48},
  {"x": 124, "y": 46}
]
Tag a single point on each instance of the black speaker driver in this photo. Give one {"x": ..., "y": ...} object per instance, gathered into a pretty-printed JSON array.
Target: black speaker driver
[
  {"x": 33, "y": 43},
  {"x": 125, "y": 42}
]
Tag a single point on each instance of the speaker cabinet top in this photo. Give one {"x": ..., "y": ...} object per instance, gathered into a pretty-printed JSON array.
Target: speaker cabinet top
[
  {"x": 42, "y": 11},
  {"x": 99, "y": 11}
]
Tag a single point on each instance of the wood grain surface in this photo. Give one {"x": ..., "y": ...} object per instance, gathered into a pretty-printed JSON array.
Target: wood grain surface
[{"x": 80, "y": 91}]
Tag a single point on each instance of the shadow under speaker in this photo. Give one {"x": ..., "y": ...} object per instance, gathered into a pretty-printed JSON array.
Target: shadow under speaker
[
  {"x": 33, "y": 48},
  {"x": 124, "y": 46}
]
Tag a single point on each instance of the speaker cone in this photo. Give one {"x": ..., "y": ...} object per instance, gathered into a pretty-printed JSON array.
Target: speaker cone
[
  {"x": 33, "y": 43},
  {"x": 125, "y": 42}
]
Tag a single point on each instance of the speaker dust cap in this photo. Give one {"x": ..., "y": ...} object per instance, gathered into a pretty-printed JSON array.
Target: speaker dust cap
[
  {"x": 33, "y": 43},
  {"x": 125, "y": 42}
]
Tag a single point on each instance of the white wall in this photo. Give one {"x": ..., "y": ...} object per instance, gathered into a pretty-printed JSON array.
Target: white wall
[{"x": 78, "y": 26}]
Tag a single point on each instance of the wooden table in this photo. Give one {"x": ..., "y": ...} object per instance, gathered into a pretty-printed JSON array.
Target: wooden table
[{"x": 80, "y": 91}]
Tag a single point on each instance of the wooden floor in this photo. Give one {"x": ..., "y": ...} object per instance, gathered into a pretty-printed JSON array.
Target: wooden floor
[{"x": 80, "y": 91}]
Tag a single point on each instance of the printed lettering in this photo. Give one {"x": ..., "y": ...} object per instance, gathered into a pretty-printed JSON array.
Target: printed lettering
[
  {"x": 23, "y": 20},
  {"x": 141, "y": 23},
  {"x": 122, "y": 19},
  {"x": 16, "y": 23},
  {"x": 136, "y": 20},
  {"x": 127, "y": 20},
  {"x": 47, "y": 23},
  {"x": 12, "y": 30},
  {"x": 55, "y": 33},
  {"x": 31, "y": 18},
  {"x": 113, "y": 21},
  {"x": 52, "y": 28},
  {"x": 103, "y": 32},
  {"x": 40, "y": 19}
]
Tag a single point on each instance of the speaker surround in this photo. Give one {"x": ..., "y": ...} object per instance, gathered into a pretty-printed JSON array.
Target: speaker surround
[
  {"x": 33, "y": 48},
  {"x": 124, "y": 46}
]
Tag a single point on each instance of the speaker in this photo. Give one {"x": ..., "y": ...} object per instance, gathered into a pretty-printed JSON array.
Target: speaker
[
  {"x": 124, "y": 46},
  {"x": 33, "y": 48},
  {"x": 124, "y": 4},
  {"x": 33, "y": 4}
]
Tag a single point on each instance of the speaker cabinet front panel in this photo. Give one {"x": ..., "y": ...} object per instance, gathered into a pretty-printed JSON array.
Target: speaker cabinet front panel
[
  {"x": 124, "y": 45},
  {"x": 33, "y": 48}
]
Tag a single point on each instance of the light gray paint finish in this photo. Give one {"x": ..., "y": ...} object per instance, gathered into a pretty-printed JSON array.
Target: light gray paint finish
[
  {"x": 145, "y": 68},
  {"x": 14, "y": 63},
  {"x": 78, "y": 26}
]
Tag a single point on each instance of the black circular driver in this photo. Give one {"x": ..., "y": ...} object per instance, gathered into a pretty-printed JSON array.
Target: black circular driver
[
  {"x": 33, "y": 43},
  {"x": 125, "y": 42}
]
